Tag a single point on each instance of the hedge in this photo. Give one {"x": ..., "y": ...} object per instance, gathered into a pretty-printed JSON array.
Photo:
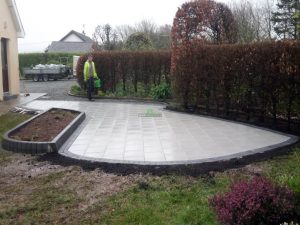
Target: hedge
[
  {"x": 129, "y": 68},
  {"x": 32, "y": 59},
  {"x": 257, "y": 82}
]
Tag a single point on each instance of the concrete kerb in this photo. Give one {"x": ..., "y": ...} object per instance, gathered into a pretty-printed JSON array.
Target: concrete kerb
[
  {"x": 247, "y": 156},
  {"x": 194, "y": 169}
]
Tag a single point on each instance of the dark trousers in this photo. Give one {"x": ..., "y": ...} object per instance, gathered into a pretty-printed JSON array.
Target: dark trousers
[{"x": 90, "y": 87}]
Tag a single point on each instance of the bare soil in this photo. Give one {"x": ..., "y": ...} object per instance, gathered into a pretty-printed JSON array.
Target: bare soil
[
  {"x": 24, "y": 177},
  {"x": 45, "y": 127}
]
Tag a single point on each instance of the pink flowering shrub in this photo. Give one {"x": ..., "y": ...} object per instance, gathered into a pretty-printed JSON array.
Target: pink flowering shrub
[{"x": 256, "y": 202}]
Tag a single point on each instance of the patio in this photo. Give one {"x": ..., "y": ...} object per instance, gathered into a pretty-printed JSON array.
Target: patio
[{"x": 147, "y": 134}]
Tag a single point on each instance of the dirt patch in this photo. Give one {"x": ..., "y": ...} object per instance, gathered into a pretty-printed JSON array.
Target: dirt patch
[
  {"x": 23, "y": 175},
  {"x": 46, "y": 127}
]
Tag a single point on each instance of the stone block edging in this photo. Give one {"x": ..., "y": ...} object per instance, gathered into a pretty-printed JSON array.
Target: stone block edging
[{"x": 32, "y": 147}]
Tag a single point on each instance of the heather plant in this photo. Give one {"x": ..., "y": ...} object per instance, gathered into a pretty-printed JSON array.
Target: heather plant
[{"x": 254, "y": 202}]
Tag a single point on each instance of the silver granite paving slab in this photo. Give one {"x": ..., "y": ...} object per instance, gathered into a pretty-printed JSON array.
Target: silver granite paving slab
[{"x": 147, "y": 133}]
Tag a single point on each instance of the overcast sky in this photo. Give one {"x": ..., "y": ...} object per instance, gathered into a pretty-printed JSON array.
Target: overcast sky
[{"x": 45, "y": 21}]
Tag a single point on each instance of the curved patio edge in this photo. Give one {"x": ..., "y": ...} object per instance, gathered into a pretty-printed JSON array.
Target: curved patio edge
[
  {"x": 76, "y": 151},
  {"x": 192, "y": 167},
  {"x": 31, "y": 147}
]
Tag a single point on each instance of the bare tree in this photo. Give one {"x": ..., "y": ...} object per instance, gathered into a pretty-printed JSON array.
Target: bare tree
[
  {"x": 246, "y": 21},
  {"x": 124, "y": 31},
  {"x": 147, "y": 27},
  {"x": 253, "y": 21},
  {"x": 110, "y": 38},
  {"x": 160, "y": 36},
  {"x": 99, "y": 37},
  {"x": 267, "y": 18},
  {"x": 105, "y": 37}
]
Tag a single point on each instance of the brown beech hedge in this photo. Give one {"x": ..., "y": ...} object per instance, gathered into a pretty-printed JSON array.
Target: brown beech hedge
[
  {"x": 257, "y": 82},
  {"x": 129, "y": 68}
]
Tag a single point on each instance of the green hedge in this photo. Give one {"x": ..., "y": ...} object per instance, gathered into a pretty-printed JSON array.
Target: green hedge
[
  {"x": 257, "y": 82},
  {"x": 32, "y": 59}
]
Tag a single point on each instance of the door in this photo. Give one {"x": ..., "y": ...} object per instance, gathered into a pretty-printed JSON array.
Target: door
[{"x": 4, "y": 64}]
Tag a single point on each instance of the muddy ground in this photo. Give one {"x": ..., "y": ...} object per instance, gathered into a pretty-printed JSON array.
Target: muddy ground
[{"x": 25, "y": 181}]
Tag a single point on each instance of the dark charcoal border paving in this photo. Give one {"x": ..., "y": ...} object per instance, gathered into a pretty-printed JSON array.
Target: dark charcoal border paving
[
  {"x": 245, "y": 157},
  {"x": 251, "y": 154},
  {"x": 31, "y": 147},
  {"x": 193, "y": 168}
]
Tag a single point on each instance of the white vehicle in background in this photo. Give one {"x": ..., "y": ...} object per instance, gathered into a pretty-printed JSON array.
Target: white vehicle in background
[{"x": 47, "y": 72}]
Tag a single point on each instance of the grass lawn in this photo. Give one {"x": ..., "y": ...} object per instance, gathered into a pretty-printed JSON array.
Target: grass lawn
[
  {"x": 34, "y": 191},
  {"x": 8, "y": 121}
]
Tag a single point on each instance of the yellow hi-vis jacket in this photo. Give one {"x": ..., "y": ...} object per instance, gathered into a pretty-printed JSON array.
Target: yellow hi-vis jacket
[{"x": 86, "y": 70}]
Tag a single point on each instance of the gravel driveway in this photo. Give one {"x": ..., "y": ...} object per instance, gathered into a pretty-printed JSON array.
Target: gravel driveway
[{"x": 56, "y": 90}]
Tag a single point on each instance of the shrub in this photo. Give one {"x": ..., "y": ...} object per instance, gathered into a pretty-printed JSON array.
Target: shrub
[
  {"x": 76, "y": 90},
  {"x": 138, "y": 42},
  {"x": 256, "y": 202},
  {"x": 129, "y": 68},
  {"x": 257, "y": 82},
  {"x": 161, "y": 92}
]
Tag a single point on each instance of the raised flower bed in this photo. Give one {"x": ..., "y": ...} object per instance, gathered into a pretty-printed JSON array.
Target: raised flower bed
[{"x": 44, "y": 133}]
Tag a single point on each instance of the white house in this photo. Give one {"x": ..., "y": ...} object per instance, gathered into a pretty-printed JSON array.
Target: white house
[
  {"x": 11, "y": 29},
  {"x": 73, "y": 42}
]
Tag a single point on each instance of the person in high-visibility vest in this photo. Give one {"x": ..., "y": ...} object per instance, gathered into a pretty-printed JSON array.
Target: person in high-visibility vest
[{"x": 90, "y": 74}]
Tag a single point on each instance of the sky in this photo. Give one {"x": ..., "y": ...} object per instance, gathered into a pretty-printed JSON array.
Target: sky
[{"x": 45, "y": 21}]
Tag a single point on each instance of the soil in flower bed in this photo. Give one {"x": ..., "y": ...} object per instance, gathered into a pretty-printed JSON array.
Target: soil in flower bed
[{"x": 46, "y": 127}]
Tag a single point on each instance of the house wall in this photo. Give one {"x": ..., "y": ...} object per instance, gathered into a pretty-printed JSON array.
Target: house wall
[
  {"x": 8, "y": 31},
  {"x": 72, "y": 38}
]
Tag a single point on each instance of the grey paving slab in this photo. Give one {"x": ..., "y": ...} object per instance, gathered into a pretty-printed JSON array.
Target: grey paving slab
[{"x": 120, "y": 132}]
